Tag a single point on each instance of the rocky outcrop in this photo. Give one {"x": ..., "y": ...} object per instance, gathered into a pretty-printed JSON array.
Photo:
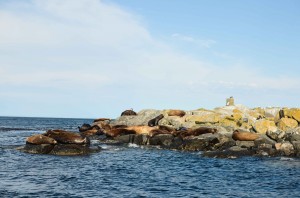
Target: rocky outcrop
[{"x": 59, "y": 142}]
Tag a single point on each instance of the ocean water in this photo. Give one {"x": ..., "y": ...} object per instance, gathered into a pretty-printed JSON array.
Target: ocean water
[{"x": 133, "y": 171}]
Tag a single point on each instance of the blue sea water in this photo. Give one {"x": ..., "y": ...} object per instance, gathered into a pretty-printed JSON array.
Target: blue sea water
[{"x": 132, "y": 171}]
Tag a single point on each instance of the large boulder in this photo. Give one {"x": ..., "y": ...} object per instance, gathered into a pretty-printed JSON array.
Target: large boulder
[
  {"x": 204, "y": 118},
  {"x": 142, "y": 118},
  {"x": 262, "y": 126},
  {"x": 286, "y": 148},
  {"x": 287, "y": 123},
  {"x": 292, "y": 113}
]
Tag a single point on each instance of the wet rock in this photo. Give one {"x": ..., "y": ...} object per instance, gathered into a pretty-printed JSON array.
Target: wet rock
[
  {"x": 37, "y": 149},
  {"x": 296, "y": 145},
  {"x": 233, "y": 152},
  {"x": 162, "y": 140},
  {"x": 200, "y": 143},
  {"x": 125, "y": 139},
  {"x": 286, "y": 148},
  {"x": 141, "y": 139},
  {"x": 73, "y": 149}
]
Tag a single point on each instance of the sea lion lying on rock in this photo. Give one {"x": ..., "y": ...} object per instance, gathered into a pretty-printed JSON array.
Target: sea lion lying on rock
[
  {"x": 85, "y": 127},
  {"x": 66, "y": 137},
  {"x": 129, "y": 112},
  {"x": 179, "y": 113},
  {"x": 40, "y": 139},
  {"x": 154, "y": 121},
  {"x": 244, "y": 136},
  {"x": 197, "y": 131}
]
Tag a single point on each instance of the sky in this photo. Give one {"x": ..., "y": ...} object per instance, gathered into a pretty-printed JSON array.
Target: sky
[{"x": 97, "y": 58}]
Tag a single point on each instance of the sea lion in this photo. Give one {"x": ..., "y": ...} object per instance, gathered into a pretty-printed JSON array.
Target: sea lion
[
  {"x": 198, "y": 131},
  {"x": 244, "y": 136},
  {"x": 119, "y": 131},
  {"x": 154, "y": 121},
  {"x": 179, "y": 113},
  {"x": 101, "y": 119},
  {"x": 66, "y": 137},
  {"x": 40, "y": 139},
  {"x": 85, "y": 127},
  {"x": 94, "y": 130},
  {"x": 128, "y": 112},
  {"x": 141, "y": 129}
]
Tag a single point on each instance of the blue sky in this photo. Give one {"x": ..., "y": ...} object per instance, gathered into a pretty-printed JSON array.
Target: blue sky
[{"x": 91, "y": 58}]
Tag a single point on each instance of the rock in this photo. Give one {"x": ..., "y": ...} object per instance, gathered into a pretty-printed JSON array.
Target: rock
[
  {"x": 142, "y": 118},
  {"x": 262, "y": 126},
  {"x": 161, "y": 140},
  {"x": 141, "y": 139},
  {"x": 200, "y": 143},
  {"x": 286, "y": 148},
  {"x": 232, "y": 152},
  {"x": 263, "y": 139},
  {"x": 276, "y": 135},
  {"x": 175, "y": 121},
  {"x": 37, "y": 149},
  {"x": 292, "y": 113},
  {"x": 206, "y": 118},
  {"x": 293, "y": 137},
  {"x": 125, "y": 139},
  {"x": 296, "y": 145},
  {"x": 73, "y": 149},
  {"x": 287, "y": 123},
  {"x": 228, "y": 122},
  {"x": 245, "y": 144},
  {"x": 271, "y": 111}
]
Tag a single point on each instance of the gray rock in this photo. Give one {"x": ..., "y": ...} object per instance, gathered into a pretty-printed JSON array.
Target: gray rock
[
  {"x": 142, "y": 118},
  {"x": 73, "y": 149},
  {"x": 277, "y": 135},
  {"x": 264, "y": 140},
  {"x": 233, "y": 152},
  {"x": 245, "y": 144},
  {"x": 296, "y": 145},
  {"x": 37, "y": 149},
  {"x": 125, "y": 139},
  {"x": 141, "y": 139},
  {"x": 200, "y": 143},
  {"x": 162, "y": 140}
]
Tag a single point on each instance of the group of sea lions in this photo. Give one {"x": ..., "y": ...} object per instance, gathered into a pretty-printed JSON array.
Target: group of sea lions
[
  {"x": 58, "y": 137},
  {"x": 101, "y": 126}
]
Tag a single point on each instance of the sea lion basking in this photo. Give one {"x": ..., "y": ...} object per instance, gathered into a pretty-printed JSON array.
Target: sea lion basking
[
  {"x": 129, "y": 112},
  {"x": 179, "y": 113},
  {"x": 66, "y": 137},
  {"x": 244, "y": 136},
  {"x": 154, "y": 121}
]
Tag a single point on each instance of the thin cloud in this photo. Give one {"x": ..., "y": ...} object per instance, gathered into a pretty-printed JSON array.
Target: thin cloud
[
  {"x": 91, "y": 49},
  {"x": 207, "y": 43}
]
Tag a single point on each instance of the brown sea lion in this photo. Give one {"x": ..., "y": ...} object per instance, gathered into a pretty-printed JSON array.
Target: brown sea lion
[
  {"x": 128, "y": 112},
  {"x": 119, "y": 131},
  {"x": 66, "y": 137},
  {"x": 85, "y": 127},
  {"x": 40, "y": 139},
  {"x": 179, "y": 113},
  {"x": 244, "y": 136},
  {"x": 95, "y": 130},
  {"x": 101, "y": 119},
  {"x": 154, "y": 121},
  {"x": 141, "y": 129},
  {"x": 198, "y": 131}
]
